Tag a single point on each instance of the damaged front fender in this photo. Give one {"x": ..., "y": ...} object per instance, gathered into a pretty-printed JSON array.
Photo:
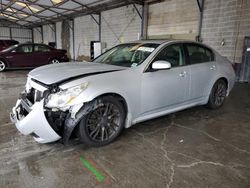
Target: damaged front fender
[{"x": 72, "y": 120}]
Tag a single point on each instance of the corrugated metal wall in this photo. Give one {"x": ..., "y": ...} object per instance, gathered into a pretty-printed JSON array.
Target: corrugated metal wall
[{"x": 22, "y": 35}]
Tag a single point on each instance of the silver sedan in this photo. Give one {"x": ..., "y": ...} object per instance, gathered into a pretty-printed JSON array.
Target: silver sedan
[{"x": 128, "y": 84}]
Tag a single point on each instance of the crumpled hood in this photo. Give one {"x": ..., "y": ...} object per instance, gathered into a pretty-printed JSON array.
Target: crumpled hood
[{"x": 54, "y": 73}]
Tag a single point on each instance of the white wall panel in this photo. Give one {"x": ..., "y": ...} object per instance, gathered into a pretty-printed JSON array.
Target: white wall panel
[
  {"x": 37, "y": 35},
  {"x": 59, "y": 35},
  {"x": 86, "y": 30},
  {"x": 48, "y": 34}
]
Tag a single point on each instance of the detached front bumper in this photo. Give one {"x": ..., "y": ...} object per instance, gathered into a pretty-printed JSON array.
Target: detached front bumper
[{"x": 33, "y": 121}]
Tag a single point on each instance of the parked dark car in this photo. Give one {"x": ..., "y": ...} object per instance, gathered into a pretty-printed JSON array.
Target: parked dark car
[
  {"x": 7, "y": 43},
  {"x": 30, "y": 55}
]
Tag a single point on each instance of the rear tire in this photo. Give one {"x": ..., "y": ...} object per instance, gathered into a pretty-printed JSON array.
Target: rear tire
[
  {"x": 2, "y": 66},
  {"x": 54, "y": 61},
  {"x": 218, "y": 94},
  {"x": 103, "y": 123}
]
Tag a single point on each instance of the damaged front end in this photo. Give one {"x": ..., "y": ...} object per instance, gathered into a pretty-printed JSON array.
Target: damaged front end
[{"x": 47, "y": 112}]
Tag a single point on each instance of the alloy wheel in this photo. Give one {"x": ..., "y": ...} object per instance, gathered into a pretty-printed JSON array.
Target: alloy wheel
[
  {"x": 103, "y": 123},
  {"x": 2, "y": 66},
  {"x": 220, "y": 94},
  {"x": 55, "y": 61}
]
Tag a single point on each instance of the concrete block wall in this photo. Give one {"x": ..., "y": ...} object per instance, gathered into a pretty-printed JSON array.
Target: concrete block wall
[
  {"x": 86, "y": 30},
  {"x": 226, "y": 22},
  {"x": 120, "y": 25},
  {"x": 173, "y": 19}
]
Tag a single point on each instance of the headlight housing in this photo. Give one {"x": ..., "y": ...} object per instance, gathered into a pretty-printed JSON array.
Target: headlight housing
[{"x": 64, "y": 99}]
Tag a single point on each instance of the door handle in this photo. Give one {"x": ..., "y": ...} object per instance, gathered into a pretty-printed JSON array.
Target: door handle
[
  {"x": 183, "y": 74},
  {"x": 213, "y": 67}
]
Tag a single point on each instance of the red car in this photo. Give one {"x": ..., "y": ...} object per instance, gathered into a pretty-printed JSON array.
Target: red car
[
  {"x": 7, "y": 43},
  {"x": 30, "y": 55}
]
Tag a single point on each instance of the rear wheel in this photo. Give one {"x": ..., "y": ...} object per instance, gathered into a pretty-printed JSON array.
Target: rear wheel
[
  {"x": 2, "y": 66},
  {"x": 54, "y": 61},
  {"x": 103, "y": 123},
  {"x": 218, "y": 94}
]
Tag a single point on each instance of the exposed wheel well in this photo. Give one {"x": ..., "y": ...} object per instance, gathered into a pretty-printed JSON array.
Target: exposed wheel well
[
  {"x": 119, "y": 97},
  {"x": 225, "y": 80}
]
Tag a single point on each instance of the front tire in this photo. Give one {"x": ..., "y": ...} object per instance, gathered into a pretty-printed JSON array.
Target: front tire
[
  {"x": 103, "y": 123},
  {"x": 2, "y": 66},
  {"x": 218, "y": 94}
]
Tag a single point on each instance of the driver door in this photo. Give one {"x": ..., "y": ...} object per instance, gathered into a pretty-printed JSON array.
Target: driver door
[
  {"x": 21, "y": 56},
  {"x": 166, "y": 89}
]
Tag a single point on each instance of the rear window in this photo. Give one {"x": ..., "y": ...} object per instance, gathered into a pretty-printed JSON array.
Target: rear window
[
  {"x": 199, "y": 54},
  {"x": 11, "y": 42}
]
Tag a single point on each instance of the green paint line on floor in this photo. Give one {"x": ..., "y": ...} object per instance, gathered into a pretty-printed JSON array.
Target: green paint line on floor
[{"x": 94, "y": 171}]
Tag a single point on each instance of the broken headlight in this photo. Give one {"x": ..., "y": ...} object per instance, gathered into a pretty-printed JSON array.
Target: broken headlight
[{"x": 64, "y": 98}]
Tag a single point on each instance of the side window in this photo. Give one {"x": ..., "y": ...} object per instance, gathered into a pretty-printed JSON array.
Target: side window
[
  {"x": 199, "y": 54},
  {"x": 41, "y": 48},
  {"x": 24, "y": 49},
  {"x": 173, "y": 54}
]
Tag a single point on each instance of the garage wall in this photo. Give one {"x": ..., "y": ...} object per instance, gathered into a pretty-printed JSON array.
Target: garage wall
[
  {"x": 9, "y": 30},
  {"x": 225, "y": 24},
  {"x": 58, "y": 35},
  {"x": 86, "y": 30},
  {"x": 173, "y": 19},
  {"x": 37, "y": 35},
  {"x": 48, "y": 34},
  {"x": 120, "y": 25}
]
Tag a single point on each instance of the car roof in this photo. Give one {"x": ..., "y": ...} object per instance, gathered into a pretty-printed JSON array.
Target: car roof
[{"x": 161, "y": 41}]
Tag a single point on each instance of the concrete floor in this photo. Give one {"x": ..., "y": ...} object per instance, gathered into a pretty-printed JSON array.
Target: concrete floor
[{"x": 193, "y": 148}]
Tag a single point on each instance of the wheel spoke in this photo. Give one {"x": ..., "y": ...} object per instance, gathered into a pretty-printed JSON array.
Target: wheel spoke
[
  {"x": 94, "y": 131},
  {"x": 102, "y": 133}
]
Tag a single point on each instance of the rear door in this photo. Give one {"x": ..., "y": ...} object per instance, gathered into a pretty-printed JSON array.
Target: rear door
[
  {"x": 42, "y": 54},
  {"x": 21, "y": 56},
  {"x": 202, "y": 70}
]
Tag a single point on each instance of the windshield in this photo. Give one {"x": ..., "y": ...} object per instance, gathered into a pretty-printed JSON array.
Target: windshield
[
  {"x": 127, "y": 55},
  {"x": 10, "y": 48}
]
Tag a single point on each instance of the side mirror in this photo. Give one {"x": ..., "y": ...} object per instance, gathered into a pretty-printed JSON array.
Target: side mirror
[{"x": 159, "y": 65}]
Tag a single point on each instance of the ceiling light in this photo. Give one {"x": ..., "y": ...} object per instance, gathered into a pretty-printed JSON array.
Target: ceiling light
[
  {"x": 22, "y": 14},
  {"x": 56, "y": 1}
]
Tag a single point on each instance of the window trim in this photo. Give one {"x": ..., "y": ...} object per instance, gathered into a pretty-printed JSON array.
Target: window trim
[
  {"x": 200, "y": 45},
  {"x": 148, "y": 69}
]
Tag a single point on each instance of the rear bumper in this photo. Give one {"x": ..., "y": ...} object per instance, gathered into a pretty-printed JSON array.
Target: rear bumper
[{"x": 34, "y": 123}]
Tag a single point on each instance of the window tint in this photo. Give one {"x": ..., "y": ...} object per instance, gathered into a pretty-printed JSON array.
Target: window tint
[
  {"x": 41, "y": 48},
  {"x": 173, "y": 54},
  {"x": 24, "y": 49},
  {"x": 199, "y": 54}
]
